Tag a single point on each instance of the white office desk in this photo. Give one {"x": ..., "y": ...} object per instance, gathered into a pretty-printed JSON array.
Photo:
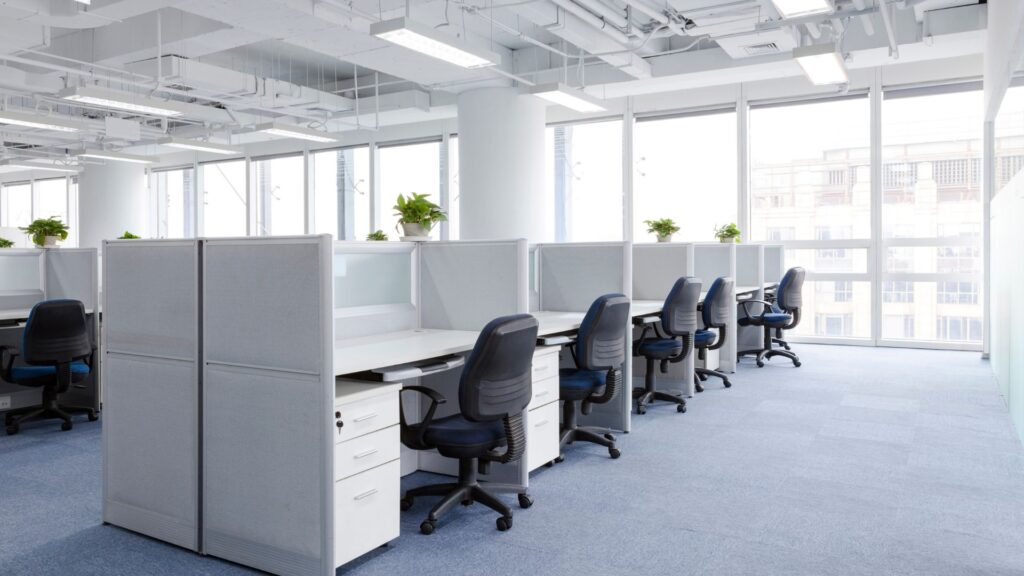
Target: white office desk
[
  {"x": 22, "y": 314},
  {"x": 353, "y": 355}
]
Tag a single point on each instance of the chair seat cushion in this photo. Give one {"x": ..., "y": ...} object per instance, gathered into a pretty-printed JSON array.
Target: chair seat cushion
[
  {"x": 661, "y": 348},
  {"x": 576, "y": 384},
  {"x": 457, "y": 432},
  {"x": 771, "y": 319},
  {"x": 704, "y": 338},
  {"x": 28, "y": 373}
]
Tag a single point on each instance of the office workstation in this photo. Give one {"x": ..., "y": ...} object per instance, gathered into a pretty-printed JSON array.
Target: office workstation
[{"x": 549, "y": 287}]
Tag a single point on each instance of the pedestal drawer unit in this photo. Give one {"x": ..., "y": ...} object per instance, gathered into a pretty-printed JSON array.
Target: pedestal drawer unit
[{"x": 542, "y": 427}]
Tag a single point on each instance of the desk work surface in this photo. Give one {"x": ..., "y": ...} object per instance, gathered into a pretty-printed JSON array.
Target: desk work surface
[
  {"x": 22, "y": 314},
  {"x": 394, "y": 348}
]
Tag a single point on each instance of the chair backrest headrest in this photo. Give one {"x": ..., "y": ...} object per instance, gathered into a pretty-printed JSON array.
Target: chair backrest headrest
[
  {"x": 601, "y": 339},
  {"x": 789, "y": 294},
  {"x": 679, "y": 315},
  {"x": 496, "y": 380},
  {"x": 56, "y": 332},
  {"x": 717, "y": 303}
]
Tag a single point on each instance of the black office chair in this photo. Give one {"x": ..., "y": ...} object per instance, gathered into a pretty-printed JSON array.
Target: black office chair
[
  {"x": 55, "y": 353},
  {"x": 599, "y": 352},
  {"x": 780, "y": 313},
  {"x": 672, "y": 344},
  {"x": 494, "y": 390},
  {"x": 714, "y": 315}
]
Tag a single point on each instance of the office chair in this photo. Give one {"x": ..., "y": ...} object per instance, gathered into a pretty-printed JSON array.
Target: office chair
[
  {"x": 55, "y": 353},
  {"x": 672, "y": 343},
  {"x": 599, "y": 352},
  {"x": 494, "y": 390},
  {"x": 714, "y": 315},
  {"x": 779, "y": 313}
]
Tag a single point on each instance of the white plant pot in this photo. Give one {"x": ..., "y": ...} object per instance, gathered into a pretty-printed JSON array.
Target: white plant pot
[
  {"x": 727, "y": 240},
  {"x": 50, "y": 241},
  {"x": 415, "y": 230},
  {"x": 665, "y": 238}
]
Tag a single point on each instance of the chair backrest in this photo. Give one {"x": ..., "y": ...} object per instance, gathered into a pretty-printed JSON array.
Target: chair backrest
[
  {"x": 717, "y": 303},
  {"x": 497, "y": 378},
  {"x": 679, "y": 315},
  {"x": 601, "y": 339},
  {"x": 789, "y": 294},
  {"x": 56, "y": 333}
]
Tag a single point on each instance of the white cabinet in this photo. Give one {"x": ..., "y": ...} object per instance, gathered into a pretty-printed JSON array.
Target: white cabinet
[{"x": 542, "y": 426}]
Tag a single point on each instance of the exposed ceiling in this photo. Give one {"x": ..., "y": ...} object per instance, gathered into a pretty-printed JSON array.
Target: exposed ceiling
[{"x": 229, "y": 66}]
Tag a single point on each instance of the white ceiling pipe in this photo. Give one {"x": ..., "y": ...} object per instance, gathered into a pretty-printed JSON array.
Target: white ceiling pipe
[
  {"x": 586, "y": 16},
  {"x": 865, "y": 20},
  {"x": 613, "y": 16},
  {"x": 894, "y": 48},
  {"x": 658, "y": 15},
  {"x": 41, "y": 12}
]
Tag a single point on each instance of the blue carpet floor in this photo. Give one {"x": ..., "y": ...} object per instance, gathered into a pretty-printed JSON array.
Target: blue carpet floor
[{"x": 864, "y": 461}]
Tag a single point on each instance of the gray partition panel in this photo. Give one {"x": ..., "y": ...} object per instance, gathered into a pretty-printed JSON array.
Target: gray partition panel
[
  {"x": 656, "y": 267},
  {"x": 150, "y": 423},
  {"x": 572, "y": 276},
  {"x": 465, "y": 285},
  {"x": 774, "y": 262},
  {"x": 72, "y": 273},
  {"x": 749, "y": 262}
]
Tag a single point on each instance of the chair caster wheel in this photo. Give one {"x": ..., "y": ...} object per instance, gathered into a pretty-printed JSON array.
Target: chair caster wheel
[
  {"x": 560, "y": 459},
  {"x": 728, "y": 384},
  {"x": 525, "y": 501},
  {"x": 65, "y": 426},
  {"x": 427, "y": 527},
  {"x": 681, "y": 408},
  {"x": 760, "y": 364},
  {"x": 641, "y": 410},
  {"x": 467, "y": 502},
  {"x": 797, "y": 364},
  {"x": 504, "y": 523},
  {"x": 93, "y": 416},
  {"x": 12, "y": 429},
  {"x": 549, "y": 464},
  {"x": 405, "y": 503},
  {"x": 614, "y": 453},
  {"x": 610, "y": 437}
]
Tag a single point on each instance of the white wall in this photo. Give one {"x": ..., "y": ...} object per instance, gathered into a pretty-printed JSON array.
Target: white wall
[
  {"x": 1004, "y": 45},
  {"x": 112, "y": 198}
]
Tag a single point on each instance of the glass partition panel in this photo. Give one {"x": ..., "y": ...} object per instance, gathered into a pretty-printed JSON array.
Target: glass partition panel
[
  {"x": 372, "y": 279},
  {"x": 20, "y": 272}
]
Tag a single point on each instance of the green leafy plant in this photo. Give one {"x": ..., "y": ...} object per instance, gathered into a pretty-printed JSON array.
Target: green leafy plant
[
  {"x": 728, "y": 232},
  {"x": 662, "y": 227},
  {"x": 377, "y": 236},
  {"x": 418, "y": 210},
  {"x": 43, "y": 227},
  {"x": 5, "y": 243},
  {"x": 128, "y": 236}
]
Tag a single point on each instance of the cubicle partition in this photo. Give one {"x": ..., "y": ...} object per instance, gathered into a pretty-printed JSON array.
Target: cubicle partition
[
  {"x": 710, "y": 261},
  {"x": 569, "y": 278},
  {"x": 375, "y": 288},
  {"x": 774, "y": 262}
]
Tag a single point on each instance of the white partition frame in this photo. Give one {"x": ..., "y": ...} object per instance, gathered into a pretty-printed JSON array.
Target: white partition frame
[
  {"x": 569, "y": 278},
  {"x": 150, "y": 420},
  {"x": 363, "y": 320},
  {"x": 710, "y": 261}
]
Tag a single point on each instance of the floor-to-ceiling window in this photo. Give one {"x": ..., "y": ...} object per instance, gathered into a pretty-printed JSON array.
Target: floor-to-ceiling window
[
  {"x": 173, "y": 194},
  {"x": 810, "y": 189},
  {"x": 50, "y": 198},
  {"x": 16, "y": 204},
  {"x": 684, "y": 168},
  {"x": 340, "y": 192},
  {"x": 279, "y": 186},
  {"x": 932, "y": 215},
  {"x": 224, "y": 210},
  {"x": 585, "y": 179},
  {"x": 405, "y": 169}
]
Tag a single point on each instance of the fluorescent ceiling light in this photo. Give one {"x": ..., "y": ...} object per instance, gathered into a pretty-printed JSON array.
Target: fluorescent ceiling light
[
  {"x": 26, "y": 165},
  {"x": 126, "y": 101},
  {"x": 822, "y": 64},
  {"x": 115, "y": 156},
  {"x": 569, "y": 97},
  {"x": 86, "y": 2},
  {"x": 794, "y": 8},
  {"x": 290, "y": 131},
  {"x": 199, "y": 145},
  {"x": 42, "y": 122},
  {"x": 426, "y": 40}
]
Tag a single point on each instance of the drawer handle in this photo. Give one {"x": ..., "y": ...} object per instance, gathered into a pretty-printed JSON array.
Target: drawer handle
[
  {"x": 540, "y": 368},
  {"x": 366, "y": 494},
  {"x": 541, "y": 423},
  {"x": 365, "y": 453},
  {"x": 365, "y": 417},
  {"x": 542, "y": 393}
]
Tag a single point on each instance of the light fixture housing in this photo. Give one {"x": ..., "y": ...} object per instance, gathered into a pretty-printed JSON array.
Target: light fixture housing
[
  {"x": 567, "y": 96},
  {"x": 199, "y": 146},
  {"x": 796, "y": 8},
  {"x": 822, "y": 64},
  {"x": 292, "y": 131},
  {"x": 114, "y": 156},
  {"x": 117, "y": 100},
  {"x": 425, "y": 40},
  {"x": 26, "y": 165},
  {"x": 41, "y": 122}
]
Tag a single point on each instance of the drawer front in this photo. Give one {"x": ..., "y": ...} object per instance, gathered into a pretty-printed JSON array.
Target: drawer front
[
  {"x": 544, "y": 391},
  {"x": 545, "y": 363},
  {"x": 365, "y": 452},
  {"x": 542, "y": 435},
  {"x": 366, "y": 511},
  {"x": 366, "y": 416}
]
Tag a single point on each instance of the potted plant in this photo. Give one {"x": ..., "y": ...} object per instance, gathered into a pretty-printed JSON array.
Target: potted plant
[
  {"x": 377, "y": 236},
  {"x": 663, "y": 228},
  {"x": 46, "y": 232},
  {"x": 417, "y": 215},
  {"x": 728, "y": 233},
  {"x": 5, "y": 243},
  {"x": 128, "y": 236}
]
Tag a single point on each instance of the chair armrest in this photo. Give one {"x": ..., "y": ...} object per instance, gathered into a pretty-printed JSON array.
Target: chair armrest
[
  {"x": 7, "y": 356},
  {"x": 418, "y": 430},
  {"x": 645, "y": 320},
  {"x": 746, "y": 310}
]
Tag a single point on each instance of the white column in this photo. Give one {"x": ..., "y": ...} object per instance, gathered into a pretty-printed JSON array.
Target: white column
[
  {"x": 112, "y": 199},
  {"x": 501, "y": 166}
]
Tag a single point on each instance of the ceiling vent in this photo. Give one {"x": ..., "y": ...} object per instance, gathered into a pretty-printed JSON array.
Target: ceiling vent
[
  {"x": 765, "y": 43},
  {"x": 762, "y": 49}
]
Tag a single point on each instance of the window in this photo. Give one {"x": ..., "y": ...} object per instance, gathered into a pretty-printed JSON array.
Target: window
[
  {"x": 958, "y": 328},
  {"x": 173, "y": 193},
  {"x": 224, "y": 199},
  {"x": 898, "y": 182},
  {"x": 957, "y": 293},
  {"x": 454, "y": 199},
  {"x": 899, "y": 326},
  {"x": 16, "y": 204},
  {"x": 340, "y": 192},
  {"x": 780, "y": 233},
  {"x": 684, "y": 169},
  {"x": 838, "y": 291},
  {"x": 833, "y": 259},
  {"x": 587, "y": 181},
  {"x": 897, "y": 291},
  {"x": 405, "y": 169},
  {"x": 50, "y": 199},
  {"x": 834, "y": 324},
  {"x": 279, "y": 185}
]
